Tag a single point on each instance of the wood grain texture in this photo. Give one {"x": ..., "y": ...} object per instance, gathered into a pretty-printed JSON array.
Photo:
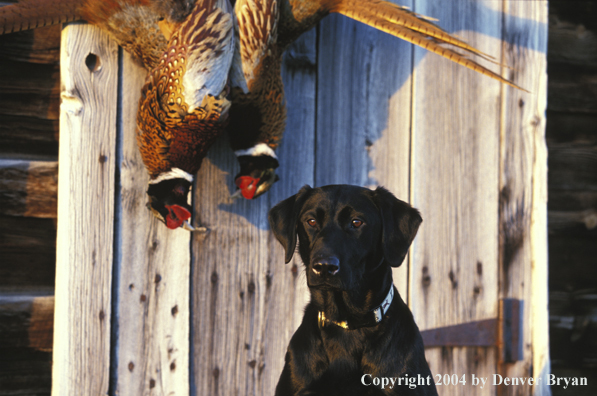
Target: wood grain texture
[
  {"x": 84, "y": 257},
  {"x": 573, "y": 167},
  {"x": 569, "y": 252},
  {"x": 26, "y": 321},
  {"x": 27, "y": 253},
  {"x": 40, "y": 45},
  {"x": 363, "y": 111},
  {"x": 25, "y": 371},
  {"x": 523, "y": 187},
  {"x": 28, "y": 188},
  {"x": 152, "y": 279},
  {"x": 28, "y": 138},
  {"x": 573, "y": 89},
  {"x": 571, "y": 43},
  {"x": 455, "y": 186},
  {"x": 364, "y": 108},
  {"x": 573, "y": 329},
  {"x": 30, "y": 90},
  {"x": 246, "y": 303},
  {"x": 29, "y": 93},
  {"x": 571, "y": 140}
]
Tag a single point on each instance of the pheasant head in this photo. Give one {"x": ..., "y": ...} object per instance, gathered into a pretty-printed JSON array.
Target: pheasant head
[
  {"x": 257, "y": 171},
  {"x": 169, "y": 199}
]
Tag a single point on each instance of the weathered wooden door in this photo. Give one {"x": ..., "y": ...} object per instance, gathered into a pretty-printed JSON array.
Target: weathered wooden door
[
  {"x": 366, "y": 109},
  {"x": 363, "y": 108}
]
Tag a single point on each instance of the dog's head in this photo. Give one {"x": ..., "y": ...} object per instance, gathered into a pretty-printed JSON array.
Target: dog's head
[{"x": 344, "y": 232}]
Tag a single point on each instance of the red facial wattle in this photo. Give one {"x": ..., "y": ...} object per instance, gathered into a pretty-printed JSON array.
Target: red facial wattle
[
  {"x": 176, "y": 216},
  {"x": 247, "y": 186}
]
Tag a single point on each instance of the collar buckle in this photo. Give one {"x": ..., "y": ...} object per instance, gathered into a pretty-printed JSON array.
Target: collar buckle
[{"x": 378, "y": 314}]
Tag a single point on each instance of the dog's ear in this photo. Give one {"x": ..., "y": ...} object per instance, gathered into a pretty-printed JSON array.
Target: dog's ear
[
  {"x": 400, "y": 223},
  {"x": 283, "y": 218}
]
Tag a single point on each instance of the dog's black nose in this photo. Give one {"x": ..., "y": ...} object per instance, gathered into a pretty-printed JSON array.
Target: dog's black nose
[{"x": 326, "y": 266}]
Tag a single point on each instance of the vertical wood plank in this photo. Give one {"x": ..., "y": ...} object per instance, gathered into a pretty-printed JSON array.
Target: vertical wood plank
[
  {"x": 246, "y": 303},
  {"x": 363, "y": 111},
  {"x": 455, "y": 185},
  {"x": 153, "y": 270},
  {"x": 89, "y": 70},
  {"x": 523, "y": 187}
]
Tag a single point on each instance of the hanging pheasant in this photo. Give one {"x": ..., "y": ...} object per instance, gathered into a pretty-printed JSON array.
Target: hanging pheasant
[
  {"x": 264, "y": 29},
  {"x": 187, "y": 47},
  {"x": 183, "y": 108}
]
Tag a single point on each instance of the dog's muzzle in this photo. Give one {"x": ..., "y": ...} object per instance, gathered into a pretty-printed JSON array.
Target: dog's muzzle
[{"x": 326, "y": 266}]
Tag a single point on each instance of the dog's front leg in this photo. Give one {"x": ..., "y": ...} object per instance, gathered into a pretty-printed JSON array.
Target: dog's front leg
[{"x": 305, "y": 360}]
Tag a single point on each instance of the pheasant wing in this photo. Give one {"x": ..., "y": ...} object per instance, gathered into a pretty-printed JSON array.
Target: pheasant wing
[
  {"x": 256, "y": 29},
  {"x": 183, "y": 101}
]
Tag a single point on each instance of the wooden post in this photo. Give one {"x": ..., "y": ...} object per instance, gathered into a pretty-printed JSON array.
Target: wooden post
[
  {"x": 84, "y": 254},
  {"x": 150, "y": 347},
  {"x": 152, "y": 273}
]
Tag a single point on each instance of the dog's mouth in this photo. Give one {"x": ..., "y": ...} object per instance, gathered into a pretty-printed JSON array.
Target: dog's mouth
[
  {"x": 324, "y": 282},
  {"x": 325, "y": 286}
]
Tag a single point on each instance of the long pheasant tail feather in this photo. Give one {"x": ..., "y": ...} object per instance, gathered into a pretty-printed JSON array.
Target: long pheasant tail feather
[
  {"x": 374, "y": 12},
  {"x": 437, "y": 48},
  {"x": 405, "y": 24},
  {"x": 31, "y": 14}
]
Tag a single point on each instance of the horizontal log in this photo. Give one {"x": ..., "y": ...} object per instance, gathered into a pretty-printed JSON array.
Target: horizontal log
[
  {"x": 40, "y": 45},
  {"x": 28, "y": 251},
  {"x": 572, "y": 259},
  {"x": 28, "y": 137},
  {"x": 28, "y": 188},
  {"x": 567, "y": 303},
  {"x": 570, "y": 128},
  {"x": 572, "y": 167},
  {"x": 581, "y": 13},
  {"x": 564, "y": 200},
  {"x": 24, "y": 371},
  {"x": 573, "y": 327},
  {"x": 571, "y": 43},
  {"x": 572, "y": 89},
  {"x": 29, "y": 89},
  {"x": 559, "y": 220},
  {"x": 26, "y": 321},
  {"x": 29, "y": 93}
]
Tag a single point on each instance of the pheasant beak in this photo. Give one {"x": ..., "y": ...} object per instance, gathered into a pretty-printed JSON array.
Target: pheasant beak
[
  {"x": 237, "y": 194},
  {"x": 252, "y": 187},
  {"x": 247, "y": 186},
  {"x": 268, "y": 178},
  {"x": 177, "y": 216}
]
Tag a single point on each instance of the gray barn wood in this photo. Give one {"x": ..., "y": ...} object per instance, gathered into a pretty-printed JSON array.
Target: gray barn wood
[{"x": 211, "y": 314}]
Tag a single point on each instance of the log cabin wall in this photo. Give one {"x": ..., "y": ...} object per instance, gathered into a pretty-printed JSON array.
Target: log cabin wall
[
  {"x": 28, "y": 185},
  {"x": 29, "y": 109},
  {"x": 572, "y": 141}
]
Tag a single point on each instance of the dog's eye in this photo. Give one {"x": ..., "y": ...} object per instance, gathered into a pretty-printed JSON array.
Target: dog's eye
[
  {"x": 312, "y": 222},
  {"x": 356, "y": 223}
]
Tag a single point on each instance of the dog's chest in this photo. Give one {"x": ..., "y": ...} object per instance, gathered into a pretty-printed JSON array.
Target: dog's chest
[{"x": 344, "y": 347}]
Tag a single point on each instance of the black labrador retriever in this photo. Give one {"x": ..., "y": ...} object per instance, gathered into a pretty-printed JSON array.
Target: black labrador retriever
[{"x": 357, "y": 336}]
